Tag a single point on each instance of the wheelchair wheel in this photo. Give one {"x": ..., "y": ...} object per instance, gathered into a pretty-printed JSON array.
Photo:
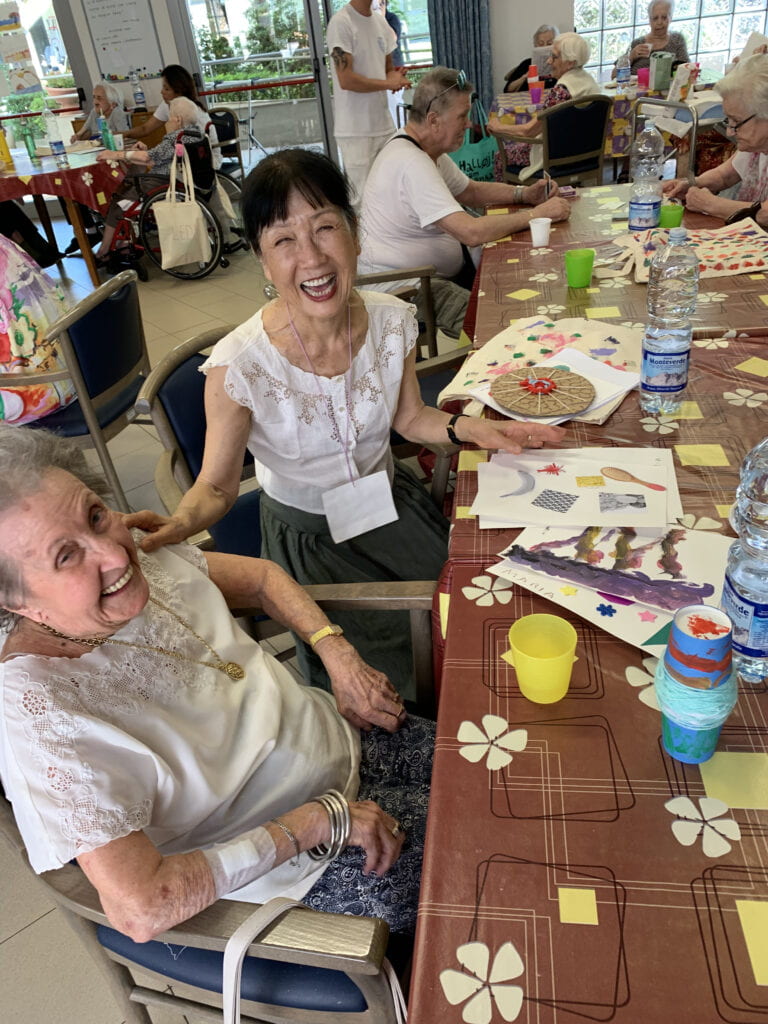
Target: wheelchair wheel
[{"x": 150, "y": 239}]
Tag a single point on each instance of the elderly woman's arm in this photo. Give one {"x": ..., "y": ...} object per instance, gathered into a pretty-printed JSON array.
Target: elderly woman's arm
[
  {"x": 144, "y": 893},
  {"x": 716, "y": 179}
]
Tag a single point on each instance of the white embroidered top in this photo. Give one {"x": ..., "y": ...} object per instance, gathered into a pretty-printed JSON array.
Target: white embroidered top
[
  {"x": 300, "y": 422},
  {"x": 122, "y": 739}
]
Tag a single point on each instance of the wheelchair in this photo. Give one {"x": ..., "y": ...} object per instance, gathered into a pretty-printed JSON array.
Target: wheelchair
[{"x": 136, "y": 234}]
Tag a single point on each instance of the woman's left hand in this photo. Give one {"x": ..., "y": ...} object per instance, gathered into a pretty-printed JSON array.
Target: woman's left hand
[
  {"x": 701, "y": 200},
  {"x": 508, "y": 435},
  {"x": 364, "y": 696}
]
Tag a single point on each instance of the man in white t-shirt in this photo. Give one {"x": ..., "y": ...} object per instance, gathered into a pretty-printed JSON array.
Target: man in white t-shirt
[
  {"x": 361, "y": 43},
  {"x": 413, "y": 202}
]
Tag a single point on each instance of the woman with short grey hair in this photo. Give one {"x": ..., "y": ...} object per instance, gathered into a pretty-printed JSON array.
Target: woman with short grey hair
[
  {"x": 516, "y": 80},
  {"x": 108, "y": 103},
  {"x": 660, "y": 14},
  {"x": 745, "y": 104}
]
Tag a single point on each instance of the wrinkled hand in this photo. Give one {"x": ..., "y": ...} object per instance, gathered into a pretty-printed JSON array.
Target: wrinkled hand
[
  {"x": 701, "y": 200},
  {"x": 160, "y": 530},
  {"x": 372, "y": 830},
  {"x": 557, "y": 208},
  {"x": 537, "y": 193},
  {"x": 676, "y": 188},
  {"x": 510, "y": 435},
  {"x": 641, "y": 50},
  {"x": 364, "y": 696},
  {"x": 139, "y": 145}
]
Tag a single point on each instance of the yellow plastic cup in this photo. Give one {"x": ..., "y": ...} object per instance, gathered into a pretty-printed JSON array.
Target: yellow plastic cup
[
  {"x": 543, "y": 652},
  {"x": 671, "y": 215}
]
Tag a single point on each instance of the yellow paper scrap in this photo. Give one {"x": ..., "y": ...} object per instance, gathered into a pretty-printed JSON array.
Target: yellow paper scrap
[
  {"x": 577, "y": 906},
  {"x": 598, "y": 312},
  {"x": 756, "y": 277},
  {"x": 513, "y": 261},
  {"x": 590, "y": 481},
  {"x": 753, "y": 917},
  {"x": 57, "y": 181},
  {"x": 740, "y": 779},
  {"x": 764, "y": 299},
  {"x": 756, "y": 366},
  {"x": 26, "y": 178},
  {"x": 496, "y": 213},
  {"x": 444, "y": 601},
  {"x": 701, "y": 455},
  {"x": 470, "y": 460},
  {"x": 592, "y": 291},
  {"x": 522, "y": 294},
  {"x": 463, "y": 512},
  {"x": 689, "y": 411},
  {"x": 723, "y": 511},
  {"x": 101, "y": 198}
]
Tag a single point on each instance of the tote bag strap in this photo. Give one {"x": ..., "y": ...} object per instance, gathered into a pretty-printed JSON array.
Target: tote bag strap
[
  {"x": 186, "y": 174},
  {"x": 479, "y": 115}
]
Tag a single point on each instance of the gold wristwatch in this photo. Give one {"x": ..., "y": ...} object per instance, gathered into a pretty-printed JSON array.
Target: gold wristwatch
[{"x": 321, "y": 634}]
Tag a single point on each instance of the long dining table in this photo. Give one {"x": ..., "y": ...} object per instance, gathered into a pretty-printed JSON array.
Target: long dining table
[{"x": 560, "y": 884}]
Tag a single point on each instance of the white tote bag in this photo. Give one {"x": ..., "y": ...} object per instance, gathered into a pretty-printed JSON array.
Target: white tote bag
[{"x": 181, "y": 225}]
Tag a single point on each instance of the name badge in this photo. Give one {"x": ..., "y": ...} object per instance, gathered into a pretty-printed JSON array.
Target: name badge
[{"x": 359, "y": 506}]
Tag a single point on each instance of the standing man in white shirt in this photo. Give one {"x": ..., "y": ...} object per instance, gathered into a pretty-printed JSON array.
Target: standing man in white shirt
[{"x": 361, "y": 43}]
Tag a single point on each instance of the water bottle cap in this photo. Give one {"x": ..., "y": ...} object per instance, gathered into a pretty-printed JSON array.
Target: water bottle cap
[{"x": 677, "y": 235}]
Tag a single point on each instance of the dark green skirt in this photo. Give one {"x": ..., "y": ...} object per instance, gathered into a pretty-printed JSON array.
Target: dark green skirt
[{"x": 414, "y": 547}]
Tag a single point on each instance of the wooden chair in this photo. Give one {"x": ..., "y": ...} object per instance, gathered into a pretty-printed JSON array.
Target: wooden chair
[{"x": 407, "y": 292}]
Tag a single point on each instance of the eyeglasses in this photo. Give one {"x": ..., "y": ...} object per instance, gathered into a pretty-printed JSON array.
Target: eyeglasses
[
  {"x": 460, "y": 83},
  {"x": 726, "y": 125}
]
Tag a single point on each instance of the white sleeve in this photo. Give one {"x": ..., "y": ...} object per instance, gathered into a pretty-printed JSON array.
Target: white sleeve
[
  {"x": 427, "y": 192},
  {"x": 741, "y": 163},
  {"x": 454, "y": 177},
  {"x": 341, "y": 34},
  {"x": 161, "y": 111}
]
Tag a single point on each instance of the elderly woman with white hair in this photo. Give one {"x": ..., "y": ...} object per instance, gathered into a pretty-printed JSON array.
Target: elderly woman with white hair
[
  {"x": 107, "y": 102},
  {"x": 660, "y": 14},
  {"x": 516, "y": 80},
  {"x": 745, "y": 104},
  {"x": 570, "y": 52}
]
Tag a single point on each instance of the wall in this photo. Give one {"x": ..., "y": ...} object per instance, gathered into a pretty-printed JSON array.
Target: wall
[{"x": 513, "y": 23}]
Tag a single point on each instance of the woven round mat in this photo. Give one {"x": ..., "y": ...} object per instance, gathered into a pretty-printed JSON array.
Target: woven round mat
[{"x": 543, "y": 391}]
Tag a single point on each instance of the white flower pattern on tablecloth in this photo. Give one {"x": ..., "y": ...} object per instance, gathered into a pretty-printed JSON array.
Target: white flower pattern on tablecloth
[
  {"x": 712, "y": 343},
  {"x": 745, "y": 396},
  {"x": 552, "y": 309},
  {"x": 542, "y": 278},
  {"x": 493, "y": 739},
  {"x": 662, "y": 424},
  {"x": 706, "y": 297},
  {"x": 613, "y": 282},
  {"x": 690, "y": 522},
  {"x": 633, "y": 323},
  {"x": 643, "y": 677},
  {"x": 87, "y": 178},
  {"x": 486, "y": 590},
  {"x": 542, "y": 250},
  {"x": 706, "y": 821},
  {"x": 482, "y": 988}
]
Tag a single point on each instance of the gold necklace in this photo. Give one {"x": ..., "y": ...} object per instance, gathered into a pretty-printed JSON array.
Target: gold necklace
[{"x": 230, "y": 668}]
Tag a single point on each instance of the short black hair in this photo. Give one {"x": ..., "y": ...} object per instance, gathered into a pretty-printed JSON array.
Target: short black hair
[{"x": 268, "y": 187}]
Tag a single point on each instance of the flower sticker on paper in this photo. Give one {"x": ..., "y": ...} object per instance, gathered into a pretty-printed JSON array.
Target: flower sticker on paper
[
  {"x": 487, "y": 590},
  {"x": 480, "y": 987},
  {"x": 706, "y": 821},
  {"x": 494, "y": 739},
  {"x": 662, "y": 424},
  {"x": 744, "y": 396},
  {"x": 87, "y": 178}
]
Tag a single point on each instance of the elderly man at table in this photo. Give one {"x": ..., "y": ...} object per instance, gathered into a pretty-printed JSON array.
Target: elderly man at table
[
  {"x": 413, "y": 203},
  {"x": 745, "y": 104}
]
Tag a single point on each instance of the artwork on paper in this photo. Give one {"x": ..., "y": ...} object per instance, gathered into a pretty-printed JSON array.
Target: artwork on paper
[
  {"x": 23, "y": 82},
  {"x": 667, "y": 569},
  {"x": 618, "y": 502},
  {"x": 10, "y": 20},
  {"x": 14, "y": 49}
]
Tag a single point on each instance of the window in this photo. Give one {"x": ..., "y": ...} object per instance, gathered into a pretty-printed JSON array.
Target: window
[{"x": 715, "y": 30}]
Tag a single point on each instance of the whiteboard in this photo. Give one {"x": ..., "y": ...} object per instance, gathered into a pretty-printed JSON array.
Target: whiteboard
[{"x": 124, "y": 36}]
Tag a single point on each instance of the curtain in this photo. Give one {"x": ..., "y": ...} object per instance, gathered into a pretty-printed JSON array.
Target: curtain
[{"x": 461, "y": 38}]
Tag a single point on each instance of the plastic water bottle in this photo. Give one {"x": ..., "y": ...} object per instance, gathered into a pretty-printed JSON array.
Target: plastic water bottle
[
  {"x": 673, "y": 286},
  {"x": 646, "y": 161},
  {"x": 106, "y": 134},
  {"x": 623, "y": 73},
  {"x": 745, "y": 590},
  {"x": 55, "y": 141},
  {"x": 139, "y": 99}
]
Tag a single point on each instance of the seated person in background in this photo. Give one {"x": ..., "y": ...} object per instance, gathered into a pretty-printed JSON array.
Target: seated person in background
[
  {"x": 745, "y": 103},
  {"x": 412, "y": 212},
  {"x": 182, "y": 119},
  {"x": 569, "y": 55},
  {"x": 29, "y": 303},
  {"x": 147, "y": 735},
  {"x": 516, "y": 80},
  {"x": 107, "y": 102},
  {"x": 659, "y": 38},
  {"x": 16, "y": 225}
]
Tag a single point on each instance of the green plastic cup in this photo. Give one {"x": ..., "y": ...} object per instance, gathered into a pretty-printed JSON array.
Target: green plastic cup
[
  {"x": 578, "y": 267},
  {"x": 671, "y": 215}
]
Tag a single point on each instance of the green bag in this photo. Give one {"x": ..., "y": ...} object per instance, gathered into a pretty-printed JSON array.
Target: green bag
[{"x": 476, "y": 158}]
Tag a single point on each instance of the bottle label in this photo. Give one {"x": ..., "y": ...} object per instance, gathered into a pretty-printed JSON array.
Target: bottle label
[
  {"x": 644, "y": 213},
  {"x": 57, "y": 147},
  {"x": 664, "y": 373},
  {"x": 750, "y": 622}
]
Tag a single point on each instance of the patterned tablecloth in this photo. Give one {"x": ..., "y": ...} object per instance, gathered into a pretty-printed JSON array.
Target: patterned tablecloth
[{"x": 86, "y": 180}]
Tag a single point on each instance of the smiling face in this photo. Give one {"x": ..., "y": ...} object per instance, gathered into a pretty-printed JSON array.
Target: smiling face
[
  {"x": 751, "y": 137},
  {"x": 311, "y": 258},
  {"x": 659, "y": 21},
  {"x": 80, "y": 568}
]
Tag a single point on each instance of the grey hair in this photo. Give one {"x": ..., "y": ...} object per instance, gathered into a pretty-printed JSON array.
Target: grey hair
[
  {"x": 573, "y": 47},
  {"x": 26, "y": 455},
  {"x": 748, "y": 82},
  {"x": 669, "y": 4},
  {"x": 438, "y": 80},
  {"x": 112, "y": 93},
  {"x": 542, "y": 29},
  {"x": 185, "y": 108}
]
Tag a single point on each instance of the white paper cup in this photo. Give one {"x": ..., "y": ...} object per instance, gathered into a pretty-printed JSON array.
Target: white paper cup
[{"x": 540, "y": 230}]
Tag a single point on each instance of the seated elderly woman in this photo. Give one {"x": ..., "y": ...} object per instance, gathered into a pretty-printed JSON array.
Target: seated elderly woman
[
  {"x": 147, "y": 736},
  {"x": 312, "y": 385},
  {"x": 745, "y": 103},
  {"x": 181, "y": 126},
  {"x": 659, "y": 38},
  {"x": 569, "y": 54},
  {"x": 108, "y": 103},
  {"x": 517, "y": 79}
]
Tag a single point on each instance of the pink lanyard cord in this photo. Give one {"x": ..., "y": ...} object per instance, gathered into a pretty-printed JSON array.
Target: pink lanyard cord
[{"x": 347, "y": 387}]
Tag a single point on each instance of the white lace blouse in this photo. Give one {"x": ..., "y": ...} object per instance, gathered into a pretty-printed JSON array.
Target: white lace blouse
[
  {"x": 122, "y": 739},
  {"x": 300, "y": 423}
]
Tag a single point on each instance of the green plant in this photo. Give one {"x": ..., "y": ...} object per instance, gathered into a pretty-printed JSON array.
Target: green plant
[{"x": 61, "y": 82}]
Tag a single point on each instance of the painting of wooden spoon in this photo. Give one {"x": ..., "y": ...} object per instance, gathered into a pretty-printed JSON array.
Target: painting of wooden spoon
[{"x": 621, "y": 474}]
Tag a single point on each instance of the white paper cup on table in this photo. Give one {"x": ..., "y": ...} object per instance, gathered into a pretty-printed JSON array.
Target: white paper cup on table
[{"x": 540, "y": 230}]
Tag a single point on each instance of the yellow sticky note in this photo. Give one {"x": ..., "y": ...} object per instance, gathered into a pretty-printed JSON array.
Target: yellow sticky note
[
  {"x": 764, "y": 299},
  {"x": 756, "y": 277},
  {"x": 701, "y": 455},
  {"x": 689, "y": 411},
  {"x": 496, "y": 213},
  {"x": 592, "y": 291},
  {"x": 598, "y": 312},
  {"x": 739, "y": 779},
  {"x": 470, "y": 460},
  {"x": 723, "y": 511},
  {"x": 101, "y": 198},
  {"x": 513, "y": 261},
  {"x": 590, "y": 481},
  {"x": 753, "y": 917},
  {"x": 522, "y": 294},
  {"x": 444, "y": 601},
  {"x": 577, "y": 906},
  {"x": 463, "y": 512},
  {"x": 755, "y": 365}
]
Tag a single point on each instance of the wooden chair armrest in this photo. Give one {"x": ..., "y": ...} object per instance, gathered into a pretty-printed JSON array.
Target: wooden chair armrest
[
  {"x": 396, "y": 275},
  {"x": 445, "y": 361}
]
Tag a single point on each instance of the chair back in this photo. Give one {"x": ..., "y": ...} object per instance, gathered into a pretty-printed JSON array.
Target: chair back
[
  {"x": 574, "y": 136},
  {"x": 678, "y": 110},
  {"x": 201, "y": 162},
  {"x": 227, "y": 128}
]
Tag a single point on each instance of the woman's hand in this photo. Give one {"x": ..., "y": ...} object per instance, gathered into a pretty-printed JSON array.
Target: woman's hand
[
  {"x": 508, "y": 435},
  {"x": 537, "y": 193},
  {"x": 372, "y": 829},
  {"x": 557, "y": 208},
  {"x": 641, "y": 50},
  {"x": 140, "y": 145},
  {"x": 364, "y": 696},
  {"x": 701, "y": 200},
  {"x": 676, "y": 188},
  {"x": 161, "y": 530}
]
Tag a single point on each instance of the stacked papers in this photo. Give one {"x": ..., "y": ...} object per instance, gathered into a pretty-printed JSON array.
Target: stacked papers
[{"x": 578, "y": 487}]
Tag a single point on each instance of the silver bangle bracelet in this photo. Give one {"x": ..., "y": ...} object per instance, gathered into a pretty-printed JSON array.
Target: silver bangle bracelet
[
  {"x": 337, "y": 809},
  {"x": 518, "y": 194}
]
